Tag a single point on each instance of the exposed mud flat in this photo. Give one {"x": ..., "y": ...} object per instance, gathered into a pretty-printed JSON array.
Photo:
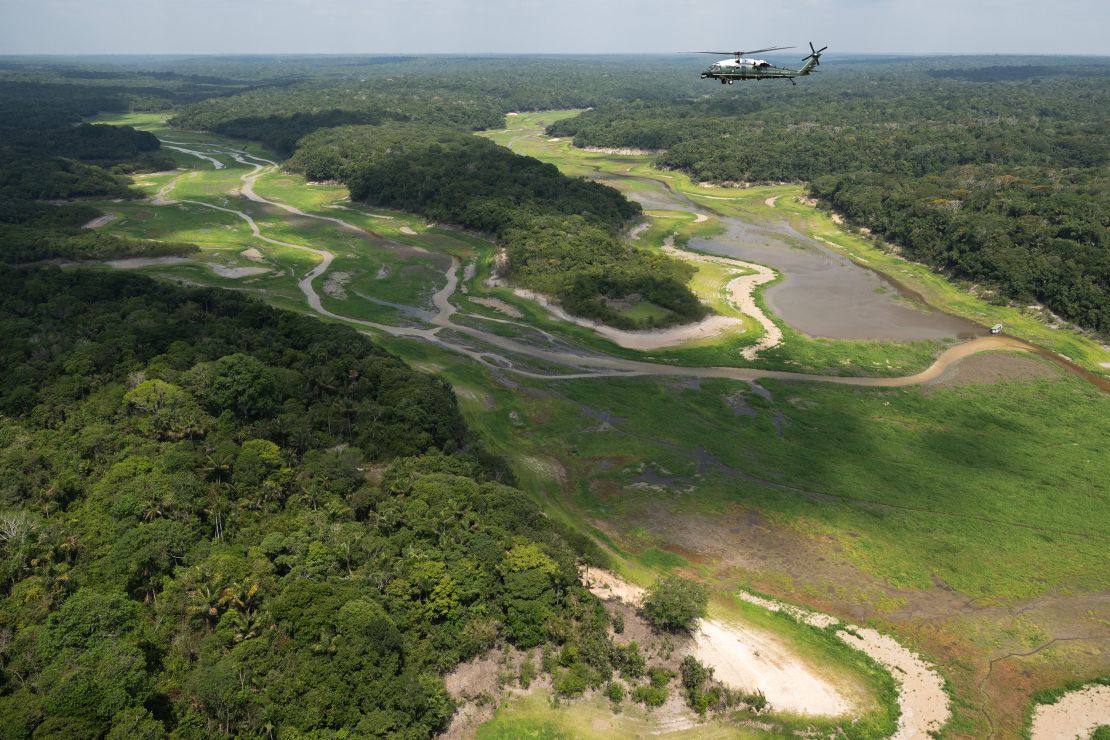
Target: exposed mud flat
[
  {"x": 355, "y": 210},
  {"x": 133, "y": 263},
  {"x": 1077, "y": 714},
  {"x": 752, "y": 659},
  {"x": 994, "y": 367},
  {"x": 237, "y": 272},
  {"x": 645, "y": 340},
  {"x": 216, "y": 164},
  {"x": 921, "y": 694},
  {"x": 99, "y": 221},
  {"x": 624, "y": 151},
  {"x": 825, "y": 294},
  {"x": 500, "y": 306},
  {"x": 335, "y": 285}
]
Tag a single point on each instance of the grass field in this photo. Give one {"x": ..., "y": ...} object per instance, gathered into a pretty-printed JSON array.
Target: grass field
[{"x": 968, "y": 519}]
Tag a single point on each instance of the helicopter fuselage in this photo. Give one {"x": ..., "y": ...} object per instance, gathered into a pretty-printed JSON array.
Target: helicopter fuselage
[{"x": 729, "y": 70}]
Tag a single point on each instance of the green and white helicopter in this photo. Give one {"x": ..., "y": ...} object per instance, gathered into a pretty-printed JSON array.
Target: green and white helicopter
[{"x": 729, "y": 71}]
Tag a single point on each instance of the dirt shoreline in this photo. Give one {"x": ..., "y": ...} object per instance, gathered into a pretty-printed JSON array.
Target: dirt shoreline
[
  {"x": 735, "y": 654},
  {"x": 921, "y": 696},
  {"x": 741, "y": 295},
  {"x": 1076, "y": 714},
  {"x": 744, "y": 657}
]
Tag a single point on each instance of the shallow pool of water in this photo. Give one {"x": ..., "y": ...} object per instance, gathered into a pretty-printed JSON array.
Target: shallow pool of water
[{"x": 825, "y": 294}]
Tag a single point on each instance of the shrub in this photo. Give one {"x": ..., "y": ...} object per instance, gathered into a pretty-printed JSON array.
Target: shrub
[
  {"x": 615, "y": 692},
  {"x": 650, "y": 696},
  {"x": 675, "y": 604},
  {"x": 659, "y": 676},
  {"x": 629, "y": 660}
]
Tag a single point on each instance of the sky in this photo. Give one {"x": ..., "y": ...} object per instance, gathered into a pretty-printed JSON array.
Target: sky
[{"x": 550, "y": 26}]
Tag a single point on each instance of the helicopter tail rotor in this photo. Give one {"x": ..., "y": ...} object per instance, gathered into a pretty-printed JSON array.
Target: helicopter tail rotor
[
  {"x": 815, "y": 54},
  {"x": 812, "y": 60}
]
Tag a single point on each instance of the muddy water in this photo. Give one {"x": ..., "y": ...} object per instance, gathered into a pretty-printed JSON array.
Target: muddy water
[
  {"x": 825, "y": 294},
  {"x": 650, "y": 194}
]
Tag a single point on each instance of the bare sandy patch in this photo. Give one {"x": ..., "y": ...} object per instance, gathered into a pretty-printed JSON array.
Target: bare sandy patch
[
  {"x": 336, "y": 284},
  {"x": 624, "y": 150},
  {"x": 607, "y": 585},
  {"x": 1077, "y": 714},
  {"x": 920, "y": 688},
  {"x": 499, "y": 305},
  {"x": 236, "y": 272},
  {"x": 770, "y": 202},
  {"x": 742, "y": 657},
  {"x": 99, "y": 221},
  {"x": 407, "y": 231},
  {"x": 132, "y": 263},
  {"x": 474, "y": 684},
  {"x": 701, "y": 218},
  {"x": 546, "y": 467},
  {"x": 355, "y": 210},
  {"x": 755, "y": 660},
  {"x": 837, "y": 219},
  {"x": 921, "y": 695},
  {"x": 252, "y": 254},
  {"x": 814, "y": 619},
  {"x": 477, "y": 396}
]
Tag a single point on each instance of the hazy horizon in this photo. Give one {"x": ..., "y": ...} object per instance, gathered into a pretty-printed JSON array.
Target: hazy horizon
[{"x": 461, "y": 27}]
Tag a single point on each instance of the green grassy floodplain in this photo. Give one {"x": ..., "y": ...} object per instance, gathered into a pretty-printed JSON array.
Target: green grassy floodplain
[
  {"x": 524, "y": 134},
  {"x": 990, "y": 494}
]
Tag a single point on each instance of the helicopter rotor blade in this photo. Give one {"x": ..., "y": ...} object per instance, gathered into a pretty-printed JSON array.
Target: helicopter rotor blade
[
  {"x": 739, "y": 53},
  {"x": 769, "y": 48}
]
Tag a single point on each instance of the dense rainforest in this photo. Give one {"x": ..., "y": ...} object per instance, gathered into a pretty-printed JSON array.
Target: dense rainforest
[
  {"x": 48, "y": 154},
  {"x": 220, "y": 518},
  {"x": 996, "y": 174}
]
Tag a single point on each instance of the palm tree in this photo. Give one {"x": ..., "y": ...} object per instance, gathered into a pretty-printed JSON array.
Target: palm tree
[{"x": 239, "y": 597}]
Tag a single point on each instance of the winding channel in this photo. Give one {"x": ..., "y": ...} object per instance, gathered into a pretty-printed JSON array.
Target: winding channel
[{"x": 577, "y": 364}]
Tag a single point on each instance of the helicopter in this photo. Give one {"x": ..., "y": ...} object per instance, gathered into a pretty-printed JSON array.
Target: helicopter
[{"x": 729, "y": 71}]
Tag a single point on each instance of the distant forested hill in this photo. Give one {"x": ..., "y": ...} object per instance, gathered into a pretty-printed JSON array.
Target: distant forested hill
[
  {"x": 46, "y": 153},
  {"x": 220, "y": 518},
  {"x": 1005, "y": 183}
]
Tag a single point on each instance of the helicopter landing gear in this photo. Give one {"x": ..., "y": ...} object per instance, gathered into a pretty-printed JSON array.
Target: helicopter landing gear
[
  {"x": 723, "y": 80},
  {"x": 731, "y": 81}
]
